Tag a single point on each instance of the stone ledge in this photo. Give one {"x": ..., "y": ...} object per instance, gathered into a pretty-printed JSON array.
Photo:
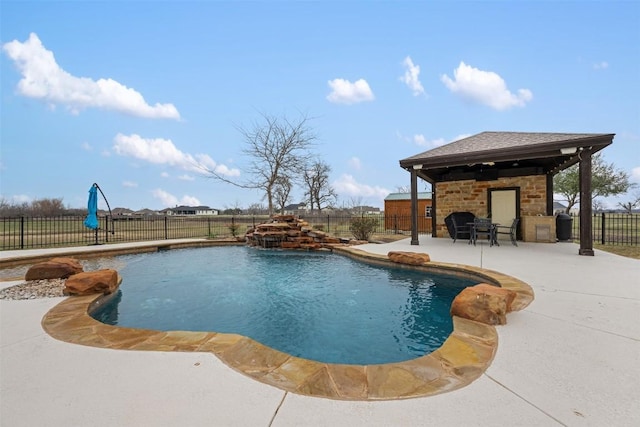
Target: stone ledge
[{"x": 463, "y": 357}]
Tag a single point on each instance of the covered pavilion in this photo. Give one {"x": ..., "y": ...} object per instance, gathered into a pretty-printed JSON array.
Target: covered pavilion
[{"x": 468, "y": 173}]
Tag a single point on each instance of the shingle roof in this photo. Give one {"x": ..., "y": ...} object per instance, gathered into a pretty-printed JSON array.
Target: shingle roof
[
  {"x": 504, "y": 154},
  {"x": 499, "y": 141}
]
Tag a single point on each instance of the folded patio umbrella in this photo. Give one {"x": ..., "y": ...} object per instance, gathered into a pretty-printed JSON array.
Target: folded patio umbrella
[{"x": 92, "y": 206}]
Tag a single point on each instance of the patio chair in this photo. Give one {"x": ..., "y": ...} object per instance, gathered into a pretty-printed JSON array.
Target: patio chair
[
  {"x": 462, "y": 231},
  {"x": 482, "y": 227},
  {"x": 509, "y": 230}
]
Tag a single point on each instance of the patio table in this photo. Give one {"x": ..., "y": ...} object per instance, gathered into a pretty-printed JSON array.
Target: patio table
[{"x": 482, "y": 226}]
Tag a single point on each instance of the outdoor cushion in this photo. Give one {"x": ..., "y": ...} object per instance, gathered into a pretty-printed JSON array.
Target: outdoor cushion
[{"x": 462, "y": 218}]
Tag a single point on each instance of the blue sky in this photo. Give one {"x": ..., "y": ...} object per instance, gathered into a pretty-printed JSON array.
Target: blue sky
[{"x": 130, "y": 94}]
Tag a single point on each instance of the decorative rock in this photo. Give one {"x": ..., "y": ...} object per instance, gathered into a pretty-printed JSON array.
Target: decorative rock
[
  {"x": 483, "y": 303},
  {"x": 331, "y": 240},
  {"x": 93, "y": 282},
  {"x": 55, "y": 268},
  {"x": 410, "y": 258},
  {"x": 290, "y": 245},
  {"x": 288, "y": 232}
]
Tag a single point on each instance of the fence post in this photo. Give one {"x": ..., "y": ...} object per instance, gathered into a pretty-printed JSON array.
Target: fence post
[
  {"x": 602, "y": 227},
  {"x": 233, "y": 226},
  {"x": 209, "y": 226},
  {"x": 166, "y": 234},
  {"x": 328, "y": 223},
  {"x": 106, "y": 229},
  {"x": 22, "y": 232}
]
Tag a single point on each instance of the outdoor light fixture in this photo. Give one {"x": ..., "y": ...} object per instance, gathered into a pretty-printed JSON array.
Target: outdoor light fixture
[
  {"x": 417, "y": 166},
  {"x": 570, "y": 150}
]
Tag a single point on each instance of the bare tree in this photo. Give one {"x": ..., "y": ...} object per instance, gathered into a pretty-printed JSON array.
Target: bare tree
[
  {"x": 318, "y": 191},
  {"x": 631, "y": 204},
  {"x": 256, "y": 209},
  {"x": 403, "y": 189},
  {"x": 36, "y": 208},
  {"x": 278, "y": 148},
  {"x": 597, "y": 205},
  {"x": 281, "y": 190},
  {"x": 354, "y": 204}
]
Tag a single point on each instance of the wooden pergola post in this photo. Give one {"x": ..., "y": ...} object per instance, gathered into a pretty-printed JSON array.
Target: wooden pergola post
[{"x": 586, "y": 236}]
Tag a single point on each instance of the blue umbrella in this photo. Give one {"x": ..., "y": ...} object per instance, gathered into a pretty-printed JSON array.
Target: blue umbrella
[{"x": 92, "y": 206}]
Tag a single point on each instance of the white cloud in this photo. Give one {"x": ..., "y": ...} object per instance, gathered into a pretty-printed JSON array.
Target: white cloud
[
  {"x": 603, "y": 65},
  {"x": 164, "y": 152},
  {"x": 86, "y": 146},
  {"x": 164, "y": 175},
  {"x": 346, "y": 185},
  {"x": 422, "y": 141},
  {"x": 169, "y": 200},
  {"x": 19, "y": 199},
  {"x": 635, "y": 174},
  {"x": 190, "y": 201},
  {"x": 411, "y": 77},
  {"x": 42, "y": 78},
  {"x": 345, "y": 92},
  {"x": 461, "y": 136},
  {"x": 485, "y": 87},
  {"x": 186, "y": 177},
  {"x": 355, "y": 163},
  {"x": 129, "y": 184}
]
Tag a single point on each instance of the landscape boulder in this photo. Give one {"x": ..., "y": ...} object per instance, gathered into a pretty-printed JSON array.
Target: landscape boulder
[
  {"x": 55, "y": 268},
  {"x": 410, "y": 258},
  {"x": 483, "y": 303},
  {"x": 93, "y": 282}
]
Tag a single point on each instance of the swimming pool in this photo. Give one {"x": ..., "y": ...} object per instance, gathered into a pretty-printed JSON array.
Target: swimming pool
[{"x": 315, "y": 305}]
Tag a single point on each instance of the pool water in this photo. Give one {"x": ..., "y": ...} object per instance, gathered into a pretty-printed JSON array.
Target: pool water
[{"x": 315, "y": 305}]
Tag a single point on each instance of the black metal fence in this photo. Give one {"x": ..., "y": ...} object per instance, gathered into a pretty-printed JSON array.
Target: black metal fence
[
  {"x": 611, "y": 228},
  {"x": 31, "y": 233}
]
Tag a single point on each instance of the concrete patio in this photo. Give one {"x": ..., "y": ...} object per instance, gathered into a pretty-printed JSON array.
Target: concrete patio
[{"x": 570, "y": 358}]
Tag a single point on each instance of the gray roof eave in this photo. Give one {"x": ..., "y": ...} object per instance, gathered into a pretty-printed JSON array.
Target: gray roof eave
[{"x": 524, "y": 152}]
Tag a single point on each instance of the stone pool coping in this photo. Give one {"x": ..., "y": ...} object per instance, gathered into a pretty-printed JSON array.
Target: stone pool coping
[{"x": 463, "y": 357}]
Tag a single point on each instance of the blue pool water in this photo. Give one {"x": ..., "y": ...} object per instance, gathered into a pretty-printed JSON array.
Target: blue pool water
[{"x": 316, "y": 305}]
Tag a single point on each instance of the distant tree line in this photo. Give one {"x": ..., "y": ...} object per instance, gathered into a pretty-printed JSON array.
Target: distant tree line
[{"x": 37, "y": 208}]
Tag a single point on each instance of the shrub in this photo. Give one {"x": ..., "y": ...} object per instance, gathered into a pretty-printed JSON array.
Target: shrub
[
  {"x": 362, "y": 228},
  {"x": 234, "y": 227}
]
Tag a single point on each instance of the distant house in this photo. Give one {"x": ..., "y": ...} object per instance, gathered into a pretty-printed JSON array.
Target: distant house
[
  {"x": 397, "y": 212},
  {"x": 295, "y": 209},
  {"x": 365, "y": 210},
  {"x": 192, "y": 211},
  {"x": 558, "y": 208},
  {"x": 146, "y": 212},
  {"x": 118, "y": 212}
]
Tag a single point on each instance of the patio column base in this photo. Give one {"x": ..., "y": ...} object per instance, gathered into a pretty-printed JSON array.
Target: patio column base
[{"x": 586, "y": 252}]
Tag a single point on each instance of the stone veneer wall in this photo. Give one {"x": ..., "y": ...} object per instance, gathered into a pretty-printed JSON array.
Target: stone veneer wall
[{"x": 472, "y": 196}]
